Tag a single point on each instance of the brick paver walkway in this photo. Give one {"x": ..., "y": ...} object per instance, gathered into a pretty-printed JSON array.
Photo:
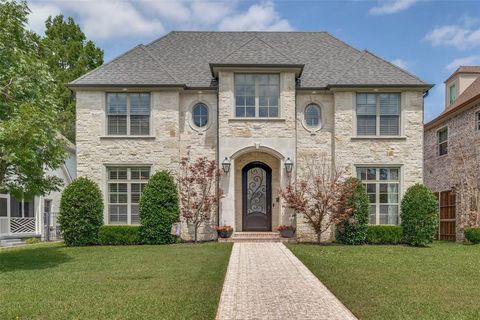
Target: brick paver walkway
[{"x": 266, "y": 281}]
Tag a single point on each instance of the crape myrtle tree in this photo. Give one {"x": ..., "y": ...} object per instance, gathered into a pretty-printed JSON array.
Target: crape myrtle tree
[
  {"x": 198, "y": 190},
  {"x": 29, "y": 139},
  {"x": 321, "y": 195}
]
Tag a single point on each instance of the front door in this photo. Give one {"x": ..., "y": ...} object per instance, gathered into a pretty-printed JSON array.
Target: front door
[{"x": 257, "y": 197}]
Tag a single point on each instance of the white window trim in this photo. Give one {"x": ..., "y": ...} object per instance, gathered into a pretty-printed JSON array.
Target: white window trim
[
  {"x": 128, "y": 135},
  {"x": 437, "y": 140},
  {"x": 401, "y": 120},
  {"x": 257, "y": 102},
  {"x": 128, "y": 182}
]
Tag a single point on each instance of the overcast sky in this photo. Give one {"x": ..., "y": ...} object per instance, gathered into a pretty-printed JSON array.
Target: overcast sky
[{"x": 430, "y": 38}]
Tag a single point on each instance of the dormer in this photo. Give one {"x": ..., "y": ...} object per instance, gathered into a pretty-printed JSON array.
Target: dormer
[{"x": 460, "y": 80}]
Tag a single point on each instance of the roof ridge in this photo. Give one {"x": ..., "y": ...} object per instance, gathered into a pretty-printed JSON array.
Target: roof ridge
[
  {"x": 289, "y": 58},
  {"x": 394, "y": 65},
  {"x": 349, "y": 67},
  {"x": 236, "y": 49},
  {"x": 105, "y": 64},
  {"x": 158, "y": 62},
  {"x": 341, "y": 41}
]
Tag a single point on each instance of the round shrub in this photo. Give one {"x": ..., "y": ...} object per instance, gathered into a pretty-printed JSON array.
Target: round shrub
[
  {"x": 354, "y": 229},
  {"x": 158, "y": 209},
  {"x": 384, "y": 234},
  {"x": 81, "y": 212},
  {"x": 419, "y": 213},
  {"x": 119, "y": 235},
  {"x": 473, "y": 235}
]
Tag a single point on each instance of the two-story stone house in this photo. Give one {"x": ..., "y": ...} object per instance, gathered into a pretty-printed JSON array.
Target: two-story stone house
[
  {"x": 452, "y": 154},
  {"x": 259, "y": 101}
]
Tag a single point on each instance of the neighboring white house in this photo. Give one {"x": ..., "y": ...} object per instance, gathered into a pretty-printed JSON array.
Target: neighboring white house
[
  {"x": 259, "y": 101},
  {"x": 36, "y": 217}
]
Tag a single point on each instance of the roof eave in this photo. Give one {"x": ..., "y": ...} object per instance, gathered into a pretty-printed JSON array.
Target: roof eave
[
  {"x": 215, "y": 66},
  {"x": 425, "y": 86},
  {"x": 449, "y": 113},
  {"x": 74, "y": 86}
]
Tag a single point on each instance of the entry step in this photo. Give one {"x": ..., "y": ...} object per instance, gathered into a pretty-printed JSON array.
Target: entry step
[{"x": 256, "y": 237}]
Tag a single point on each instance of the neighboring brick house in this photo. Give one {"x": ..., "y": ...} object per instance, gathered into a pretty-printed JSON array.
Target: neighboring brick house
[
  {"x": 452, "y": 140},
  {"x": 258, "y": 100}
]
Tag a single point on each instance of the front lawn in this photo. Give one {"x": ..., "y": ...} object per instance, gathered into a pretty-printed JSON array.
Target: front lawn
[
  {"x": 399, "y": 282},
  {"x": 182, "y": 281}
]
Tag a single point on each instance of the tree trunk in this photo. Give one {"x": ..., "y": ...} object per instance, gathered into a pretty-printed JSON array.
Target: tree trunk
[
  {"x": 319, "y": 236},
  {"x": 196, "y": 230}
]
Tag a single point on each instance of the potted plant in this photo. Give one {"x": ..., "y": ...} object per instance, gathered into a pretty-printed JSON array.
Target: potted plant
[
  {"x": 224, "y": 231},
  {"x": 286, "y": 231}
]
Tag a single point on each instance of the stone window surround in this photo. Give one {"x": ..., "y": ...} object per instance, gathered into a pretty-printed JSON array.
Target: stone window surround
[
  {"x": 400, "y": 136},
  {"x": 437, "y": 142},
  {"x": 189, "y": 116},
  {"x": 127, "y": 136},
  {"x": 401, "y": 178},
  {"x": 321, "y": 122},
  {"x": 259, "y": 72}
]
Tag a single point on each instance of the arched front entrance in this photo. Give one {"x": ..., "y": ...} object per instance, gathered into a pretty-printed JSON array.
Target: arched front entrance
[{"x": 256, "y": 197}]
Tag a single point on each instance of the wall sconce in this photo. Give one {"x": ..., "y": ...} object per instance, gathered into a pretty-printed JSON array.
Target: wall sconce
[
  {"x": 288, "y": 165},
  {"x": 226, "y": 165}
]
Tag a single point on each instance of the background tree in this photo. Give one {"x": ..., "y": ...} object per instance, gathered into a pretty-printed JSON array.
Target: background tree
[
  {"x": 69, "y": 55},
  {"x": 29, "y": 140},
  {"x": 354, "y": 229},
  {"x": 158, "y": 209},
  {"x": 320, "y": 196},
  {"x": 198, "y": 191}
]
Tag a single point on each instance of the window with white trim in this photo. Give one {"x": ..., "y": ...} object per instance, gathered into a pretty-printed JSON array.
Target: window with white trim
[
  {"x": 382, "y": 185},
  {"x": 257, "y": 95},
  {"x": 128, "y": 114},
  {"x": 20, "y": 208},
  {"x": 125, "y": 186},
  {"x": 378, "y": 114},
  {"x": 442, "y": 141}
]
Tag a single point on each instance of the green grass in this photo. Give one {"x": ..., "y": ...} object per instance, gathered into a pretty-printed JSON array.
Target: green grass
[
  {"x": 182, "y": 281},
  {"x": 399, "y": 282}
]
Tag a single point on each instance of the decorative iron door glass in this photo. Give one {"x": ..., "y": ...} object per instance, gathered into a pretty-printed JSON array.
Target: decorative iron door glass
[{"x": 257, "y": 179}]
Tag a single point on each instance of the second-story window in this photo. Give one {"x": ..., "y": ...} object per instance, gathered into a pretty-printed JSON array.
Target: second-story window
[
  {"x": 257, "y": 95},
  {"x": 442, "y": 140},
  {"x": 128, "y": 114},
  {"x": 453, "y": 92},
  {"x": 378, "y": 114},
  {"x": 477, "y": 120}
]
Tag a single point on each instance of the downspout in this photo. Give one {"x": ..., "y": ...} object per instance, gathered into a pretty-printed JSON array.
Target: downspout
[{"x": 217, "y": 150}]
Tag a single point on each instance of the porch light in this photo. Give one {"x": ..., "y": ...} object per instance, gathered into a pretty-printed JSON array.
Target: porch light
[
  {"x": 288, "y": 165},
  {"x": 226, "y": 165}
]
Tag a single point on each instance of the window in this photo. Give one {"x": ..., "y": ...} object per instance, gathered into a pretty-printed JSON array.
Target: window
[
  {"x": 382, "y": 185},
  {"x": 3, "y": 205},
  {"x": 21, "y": 208},
  {"x": 453, "y": 92},
  {"x": 128, "y": 114},
  {"x": 442, "y": 139},
  {"x": 200, "y": 115},
  {"x": 257, "y": 95},
  {"x": 312, "y": 115},
  {"x": 477, "y": 120},
  {"x": 378, "y": 114},
  {"x": 125, "y": 185}
]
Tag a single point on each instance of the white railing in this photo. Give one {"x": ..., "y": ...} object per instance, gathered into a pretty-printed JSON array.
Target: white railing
[
  {"x": 4, "y": 226},
  {"x": 22, "y": 225}
]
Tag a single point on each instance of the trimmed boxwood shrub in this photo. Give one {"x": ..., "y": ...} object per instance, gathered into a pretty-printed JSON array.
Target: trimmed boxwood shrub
[
  {"x": 384, "y": 234},
  {"x": 473, "y": 235},
  {"x": 158, "y": 209},
  {"x": 354, "y": 229},
  {"x": 419, "y": 213},
  {"x": 81, "y": 212},
  {"x": 119, "y": 235}
]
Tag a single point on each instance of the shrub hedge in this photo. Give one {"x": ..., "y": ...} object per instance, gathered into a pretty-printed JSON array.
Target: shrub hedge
[
  {"x": 384, "y": 234},
  {"x": 159, "y": 209},
  {"x": 473, "y": 235},
  {"x": 119, "y": 235},
  {"x": 419, "y": 213},
  {"x": 354, "y": 229},
  {"x": 81, "y": 212}
]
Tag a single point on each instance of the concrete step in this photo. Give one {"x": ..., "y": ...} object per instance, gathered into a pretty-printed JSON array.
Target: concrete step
[
  {"x": 12, "y": 243},
  {"x": 256, "y": 237}
]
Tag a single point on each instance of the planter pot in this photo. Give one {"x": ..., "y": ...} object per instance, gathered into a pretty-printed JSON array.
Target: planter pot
[
  {"x": 287, "y": 233},
  {"x": 224, "y": 234}
]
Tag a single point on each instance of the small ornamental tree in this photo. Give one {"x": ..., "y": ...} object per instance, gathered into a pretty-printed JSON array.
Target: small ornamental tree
[
  {"x": 198, "y": 190},
  {"x": 419, "y": 213},
  {"x": 320, "y": 196},
  {"x": 81, "y": 212},
  {"x": 158, "y": 209},
  {"x": 354, "y": 229}
]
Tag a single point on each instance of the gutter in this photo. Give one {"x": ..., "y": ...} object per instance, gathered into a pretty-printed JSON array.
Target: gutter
[{"x": 450, "y": 112}]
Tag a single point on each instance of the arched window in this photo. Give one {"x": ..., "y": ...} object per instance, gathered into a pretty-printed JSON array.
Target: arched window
[
  {"x": 200, "y": 115},
  {"x": 312, "y": 115}
]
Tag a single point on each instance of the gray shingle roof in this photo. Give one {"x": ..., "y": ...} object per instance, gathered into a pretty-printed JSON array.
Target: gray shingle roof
[{"x": 184, "y": 58}]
